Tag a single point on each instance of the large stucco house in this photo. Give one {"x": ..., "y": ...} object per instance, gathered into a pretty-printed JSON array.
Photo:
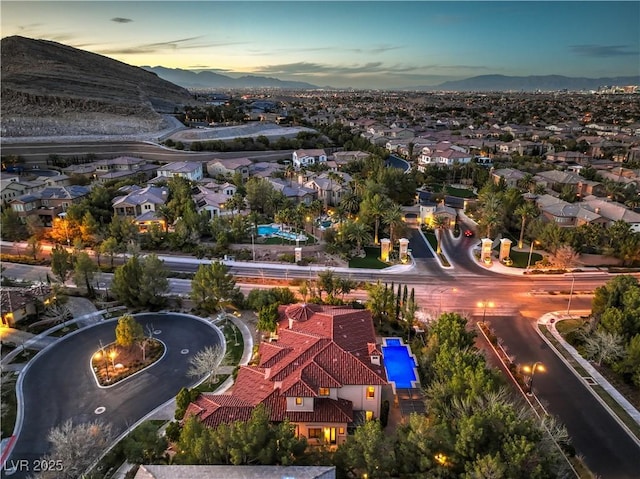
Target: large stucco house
[{"x": 322, "y": 370}]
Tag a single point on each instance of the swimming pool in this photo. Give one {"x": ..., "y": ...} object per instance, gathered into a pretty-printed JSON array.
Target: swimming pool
[
  {"x": 267, "y": 230},
  {"x": 274, "y": 230},
  {"x": 400, "y": 364}
]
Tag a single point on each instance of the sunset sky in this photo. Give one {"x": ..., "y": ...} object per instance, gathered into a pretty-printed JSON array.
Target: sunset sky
[{"x": 361, "y": 44}]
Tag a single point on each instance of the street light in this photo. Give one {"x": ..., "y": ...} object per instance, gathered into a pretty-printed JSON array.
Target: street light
[
  {"x": 534, "y": 242},
  {"x": 531, "y": 371},
  {"x": 484, "y": 305},
  {"x": 573, "y": 282}
]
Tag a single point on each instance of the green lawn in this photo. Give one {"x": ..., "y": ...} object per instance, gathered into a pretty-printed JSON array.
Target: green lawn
[
  {"x": 451, "y": 191},
  {"x": 370, "y": 261},
  {"x": 521, "y": 258}
]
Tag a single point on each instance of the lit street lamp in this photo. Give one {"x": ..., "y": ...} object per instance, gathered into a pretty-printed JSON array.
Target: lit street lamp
[
  {"x": 531, "y": 371},
  {"x": 484, "y": 305}
]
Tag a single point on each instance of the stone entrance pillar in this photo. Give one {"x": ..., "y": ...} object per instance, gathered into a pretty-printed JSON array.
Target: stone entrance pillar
[
  {"x": 505, "y": 248},
  {"x": 485, "y": 254},
  {"x": 385, "y": 247},
  {"x": 404, "y": 249}
]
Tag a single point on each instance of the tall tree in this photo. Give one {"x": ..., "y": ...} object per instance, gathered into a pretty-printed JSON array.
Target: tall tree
[
  {"x": 525, "y": 211},
  {"x": 393, "y": 217},
  {"x": 440, "y": 223},
  {"x": 374, "y": 207},
  {"x": 154, "y": 283},
  {"x": 12, "y": 228},
  {"x": 61, "y": 262},
  {"x": 84, "y": 271},
  {"x": 126, "y": 282},
  {"x": 213, "y": 287},
  {"x": 128, "y": 331}
]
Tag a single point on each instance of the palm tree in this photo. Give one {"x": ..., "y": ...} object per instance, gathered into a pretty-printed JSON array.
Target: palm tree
[
  {"x": 440, "y": 223},
  {"x": 357, "y": 232},
  {"x": 375, "y": 206},
  {"x": 525, "y": 211},
  {"x": 350, "y": 201},
  {"x": 394, "y": 218}
]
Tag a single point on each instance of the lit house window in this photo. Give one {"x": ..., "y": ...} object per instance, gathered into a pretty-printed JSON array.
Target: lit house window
[
  {"x": 315, "y": 433},
  {"x": 298, "y": 401},
  {"x": 324, "y": 392},
  {"x": 371, "y": 392},
  {"x": 341, "y": 431},
  {"x": 369, "y": 415}
]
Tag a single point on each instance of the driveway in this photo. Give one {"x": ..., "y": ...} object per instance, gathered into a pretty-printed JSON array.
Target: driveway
[{"x": 59, "y": 385}]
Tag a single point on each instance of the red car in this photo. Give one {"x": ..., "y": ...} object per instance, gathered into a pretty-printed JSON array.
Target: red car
[{"x": 468, "y": 233}]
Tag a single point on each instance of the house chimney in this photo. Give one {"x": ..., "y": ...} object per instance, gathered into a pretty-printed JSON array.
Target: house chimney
[{"x": 290, "y": 323}]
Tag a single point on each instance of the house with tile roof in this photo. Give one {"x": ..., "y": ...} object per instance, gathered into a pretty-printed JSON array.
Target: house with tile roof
[
  {"x": 16, "y": 303},
  {"x": 323, "y": 373},
  {"x": 330, "y": 187},
  {"x": 48, "y": 202},
  {"x": 229, "y": 166},
  {"x": 141, "y": 205},
  {"x": 304, "y": 158},
  {"x": 190, "y": 170},
  {"x": 212, "y": 199}
]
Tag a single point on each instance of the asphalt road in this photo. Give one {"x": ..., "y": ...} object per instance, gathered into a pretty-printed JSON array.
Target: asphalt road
[
  {"x": 37, "y": 153},
  {"x": 606, "y": 447},
  {"x": 59, "y": 384}
]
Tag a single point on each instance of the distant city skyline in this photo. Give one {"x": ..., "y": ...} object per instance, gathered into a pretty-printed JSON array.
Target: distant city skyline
[{"x": 360, "y": 44}]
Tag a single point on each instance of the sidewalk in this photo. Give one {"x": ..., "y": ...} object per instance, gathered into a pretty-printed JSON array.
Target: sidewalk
[{"x": 595, "y": 378}]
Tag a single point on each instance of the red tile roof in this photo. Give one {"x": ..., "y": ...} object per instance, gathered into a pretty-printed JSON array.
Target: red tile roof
[
  {"x": 214, "y": 409},
  {"x": 318, "y": 346}
]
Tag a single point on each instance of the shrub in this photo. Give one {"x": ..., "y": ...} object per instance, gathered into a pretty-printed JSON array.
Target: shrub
[{"x": 384, "y": 413}]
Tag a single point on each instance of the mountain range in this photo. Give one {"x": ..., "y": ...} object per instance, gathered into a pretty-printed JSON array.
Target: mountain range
[{"x": 208, "y": 79}]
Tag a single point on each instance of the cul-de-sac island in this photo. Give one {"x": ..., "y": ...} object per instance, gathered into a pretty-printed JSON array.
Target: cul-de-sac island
[{"x": 263, "y": 281}]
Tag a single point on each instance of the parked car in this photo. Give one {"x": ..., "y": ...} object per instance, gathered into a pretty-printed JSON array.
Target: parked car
[{"x": 507, "y": 261}]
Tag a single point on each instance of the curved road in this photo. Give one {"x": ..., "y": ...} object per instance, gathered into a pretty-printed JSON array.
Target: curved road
[{"x": 59, "y": 384}]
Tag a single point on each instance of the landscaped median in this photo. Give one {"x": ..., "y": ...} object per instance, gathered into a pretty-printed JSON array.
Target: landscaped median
[
  {"x": 598, "y": 388},
  {"x": 113, "y": 363}
]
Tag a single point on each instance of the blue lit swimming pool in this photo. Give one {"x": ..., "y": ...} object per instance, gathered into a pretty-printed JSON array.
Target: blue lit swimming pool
[
  {"x": 267, "y": 230},
  {"x": 399, "y": 363},
  {"x": 274, "y": 230}
]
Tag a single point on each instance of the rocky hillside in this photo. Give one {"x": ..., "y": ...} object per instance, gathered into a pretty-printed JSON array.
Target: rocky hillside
[{"x": 53, "y": 89}]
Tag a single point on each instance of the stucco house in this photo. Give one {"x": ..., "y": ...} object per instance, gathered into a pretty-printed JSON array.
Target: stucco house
[
  {"x": 48, "y": 203},
  {"x": 142, "y": 205},
  {"x": 323, "y": 373},
  {"x": 229, "y": 167},
  {"x": 16, "y": 303},
  {"x": 329, "y": 187},
  {"x": 190, "y": 170},
  {"x": 304, "y": 158},
  {"x": 213, "y": 197}
]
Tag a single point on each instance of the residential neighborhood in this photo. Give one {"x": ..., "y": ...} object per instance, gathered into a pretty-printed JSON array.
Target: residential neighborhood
[{"x": 249, "y": 269}]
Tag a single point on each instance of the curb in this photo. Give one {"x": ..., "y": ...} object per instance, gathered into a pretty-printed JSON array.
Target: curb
[{"x": 601, "y": 381}]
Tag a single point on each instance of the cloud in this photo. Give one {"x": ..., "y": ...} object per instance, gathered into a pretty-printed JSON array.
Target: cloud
[
  {"x": 375, "y": 50},
  {"x": 319, "y": 69},
  {"x": 306, "y": 68},
  {"x": 602, "y": 51},
  {"x": 121, "y": 20},
  {"x": 146, "y": 48}
]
